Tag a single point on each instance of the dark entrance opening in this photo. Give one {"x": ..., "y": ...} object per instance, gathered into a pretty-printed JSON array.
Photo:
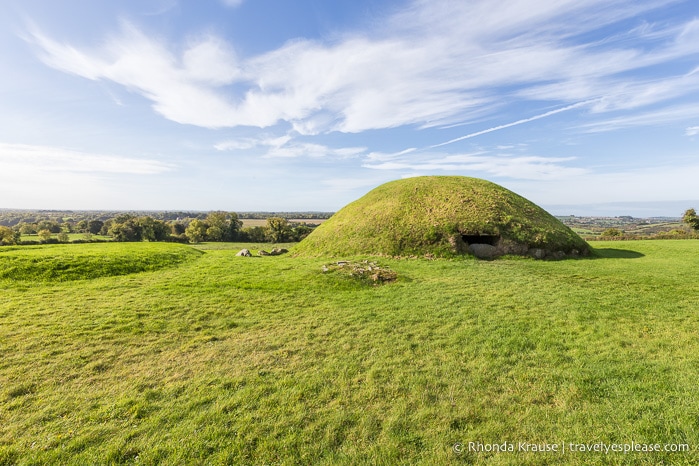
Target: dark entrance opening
[{"x": 480, "y": 239}]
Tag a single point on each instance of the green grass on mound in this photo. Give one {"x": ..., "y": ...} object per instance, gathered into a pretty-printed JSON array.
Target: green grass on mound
[
  {"x": 269, "y": 360},
  {"x": 68, "y": 262},
  {"x": 421, "y": 215}
]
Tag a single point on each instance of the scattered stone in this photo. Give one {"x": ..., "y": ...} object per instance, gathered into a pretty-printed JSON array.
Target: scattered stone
[
  {"x": 483, "y": 251},
  {"x": 278, "y": 251},
  {"x": 537, "y": 253},
  {"x": 244, "y": 253},
  {"x": 262, "y": 252},
  {"x": 365, "y": 271}
]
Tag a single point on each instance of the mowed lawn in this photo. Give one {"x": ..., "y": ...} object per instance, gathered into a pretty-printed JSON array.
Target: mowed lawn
[{"x": 195, "y": 356}]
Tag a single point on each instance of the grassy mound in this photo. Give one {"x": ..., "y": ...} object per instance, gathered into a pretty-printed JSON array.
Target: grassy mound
[
  {"x": 434, "y": 215},
  {"x": 68, "y": 262}
]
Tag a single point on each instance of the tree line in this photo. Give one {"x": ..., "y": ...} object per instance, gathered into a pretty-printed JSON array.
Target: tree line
[{"x": 212, "y": 226}]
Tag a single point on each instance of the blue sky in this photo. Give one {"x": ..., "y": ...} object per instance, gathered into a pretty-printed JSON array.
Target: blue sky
[{"x": 582, "y": 106}]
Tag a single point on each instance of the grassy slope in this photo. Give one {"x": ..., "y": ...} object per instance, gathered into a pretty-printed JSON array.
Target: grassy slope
[
  {"x": 227, "y": 360},
  {"x": 67, "y": 262},
  {"x": 418, "y": 215}
]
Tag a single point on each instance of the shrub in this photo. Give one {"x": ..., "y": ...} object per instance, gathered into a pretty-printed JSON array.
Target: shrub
[
  {"x": 44, "y": 235},
  {"x": 612, "y": 232}
]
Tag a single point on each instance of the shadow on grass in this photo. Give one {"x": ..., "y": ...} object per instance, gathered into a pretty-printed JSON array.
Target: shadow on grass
[{"x": 610, "y": 253}]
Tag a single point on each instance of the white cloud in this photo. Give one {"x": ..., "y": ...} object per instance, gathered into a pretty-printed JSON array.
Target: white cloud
[
  {"x": 692, "y": 131},
  {"x": 183, "y": 89},
  {"x": 433, "y": 63}
]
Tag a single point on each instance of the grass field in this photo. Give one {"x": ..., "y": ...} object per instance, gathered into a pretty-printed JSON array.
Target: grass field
[
  {"x": 196, "y": 356},
  {"x": 71, "y": 237}
]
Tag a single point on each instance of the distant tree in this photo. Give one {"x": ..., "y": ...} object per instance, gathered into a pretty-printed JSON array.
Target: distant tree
[
  {"x": 123, "y": 218},
  {"x": 93, "y": 226},
  {"x": 27, "y": 228},
  {"x": 222, "y": 226},
  {"x": 690, "y": 218},
  {"x": 45, "y": 234},
  {"x": 127, "y": 227},
  {"x": 278, "y": 230},
  {"x": 8, "y": 236},
  {"x": 49, "y": 225},
  {"x": 126, "y": 230},
  {"x": 162, "y": 230},
  {"x": 234, "y": 226},
  {"x": 216, "y": 226},
  {"x": 81, "y": 226},
  {"x": 300, "y": 231},
  {"x": 151, "y": 229},
  {"x": 177, "y": 228},
  {"x": 196, "y": 231},
  {"x": 104, "y": 231},
  {"x": 63, "y": 237},
  {"x": 253, "y": 234}
]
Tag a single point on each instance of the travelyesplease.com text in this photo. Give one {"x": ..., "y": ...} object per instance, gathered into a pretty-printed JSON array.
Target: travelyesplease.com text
[{"x": 568, "y": 447}]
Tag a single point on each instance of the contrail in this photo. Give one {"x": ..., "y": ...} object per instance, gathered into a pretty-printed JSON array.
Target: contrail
[{"x": 515, "y": 123}]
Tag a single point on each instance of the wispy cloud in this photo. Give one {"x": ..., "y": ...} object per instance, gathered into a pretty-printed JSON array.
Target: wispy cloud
[
  {"x": 514, "y": 123},
  {"x": 33, "y": 176},
  {"x": 434, "y": 63},
  {"x": 617, "y": 93},
  {"x": 286, "y": 147},
  {"x": 628, "y": 185},
  {"x": 251, "y": 143},
  {"x": 515, "y": 167},
  {"x": 660, "y": 116},
  {"x": 384, "y": 156},
  {"x": 692, "y": 131},
  {"x": 232, "y": 3},
  {"x": 16, "y": 158}
]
